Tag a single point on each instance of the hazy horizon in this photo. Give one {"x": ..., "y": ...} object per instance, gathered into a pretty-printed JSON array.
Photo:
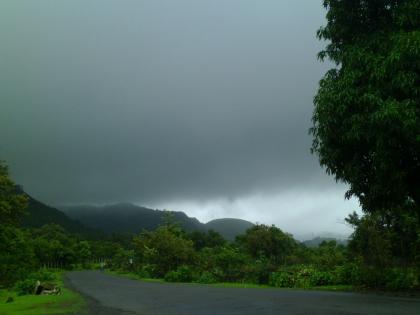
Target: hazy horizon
[{"x": 195, "y": 106}]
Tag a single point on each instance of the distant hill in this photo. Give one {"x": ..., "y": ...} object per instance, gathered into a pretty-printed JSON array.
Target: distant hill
[
  {"x": 229, "y": 227},
  {"x": 125, "y": 217},
  {"x": 318, "y": 240},
  {"x": 40, "y": 214}
]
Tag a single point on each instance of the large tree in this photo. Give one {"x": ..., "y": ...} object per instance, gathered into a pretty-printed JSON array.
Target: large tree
[{"x": 366, "y": 122}]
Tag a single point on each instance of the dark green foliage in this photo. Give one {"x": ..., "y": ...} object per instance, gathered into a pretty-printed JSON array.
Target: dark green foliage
[
  {"x": 367, "y": 120},
  {"x": 24, "y": 287},
  {"x": 366, "y": 129},
  {"x": 17, "y": 257},
  {"x": 165, "y": 248},
  {"x": 206, "y": 277},
  {"x": 52, "y": 244},
  {"x": 262, "y": 241},
  {"x": 121, "y": 259},
  {"x": 203, "y": 239},
  {"x": 181, "y": 274},
  {"x": 124, "y": 217},
  {"x": 304, "y": 276},
  {"x": 330, "y": 254},
  {"x": 229, "y": 264},
  {"x": 12, "y": 201},
  {"x": 258, "y": 271},
  {"x": 402, "y": 279},
  {"x": 27, "y": 286}
]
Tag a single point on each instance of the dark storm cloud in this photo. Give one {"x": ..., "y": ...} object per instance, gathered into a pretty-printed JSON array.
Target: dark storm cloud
[{"x": 149, "y": 101}]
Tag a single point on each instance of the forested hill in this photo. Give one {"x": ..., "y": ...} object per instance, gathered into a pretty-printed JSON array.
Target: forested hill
[
  {"x": 39, "y": 214},
  {"x": 125, "y": 217},
  {"x": 229, "y": 227}
]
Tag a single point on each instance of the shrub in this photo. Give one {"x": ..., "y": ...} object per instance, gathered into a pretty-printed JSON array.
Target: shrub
[
  {"x": 350, "y": 273},
  {"x": 303, "y": 277},
  {"x": 27, "y": 286},
  {"x": 258, "y": 272},
  {"x": 182, "y": 274},
  {"x": 282, "y": 279},
  {"x": 44, "y": 275},
  {"x": 146, "y": 271},
  {"x": 401, "y": 279},
  {"x": 320, "y": 278},
  {"x": 24, "y": 287},
  {"x": 372, "y": 277},
  {"x": 206, "y": 277}
]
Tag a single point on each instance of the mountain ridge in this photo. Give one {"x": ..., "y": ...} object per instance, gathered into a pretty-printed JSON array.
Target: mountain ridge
[{"x": 127, "y": 217}]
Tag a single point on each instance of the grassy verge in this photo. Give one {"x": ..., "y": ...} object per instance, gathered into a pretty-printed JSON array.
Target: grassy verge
[
  {"x": 342, "y": 288},
  {"x": 68, "y": 302}
]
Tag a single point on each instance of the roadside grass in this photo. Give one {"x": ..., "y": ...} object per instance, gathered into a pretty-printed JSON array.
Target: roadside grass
[
  {"x": 68, "y": 302},
  {"x": 133, "y": 276}
]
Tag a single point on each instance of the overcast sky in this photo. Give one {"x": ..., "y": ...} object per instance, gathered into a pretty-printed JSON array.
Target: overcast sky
[{"x": 202, "y": 106}]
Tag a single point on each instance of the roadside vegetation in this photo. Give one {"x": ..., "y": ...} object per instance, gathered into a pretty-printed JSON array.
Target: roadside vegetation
[
  {"x": 20, "y": 300},
  {"x": 264, "y": 256}
]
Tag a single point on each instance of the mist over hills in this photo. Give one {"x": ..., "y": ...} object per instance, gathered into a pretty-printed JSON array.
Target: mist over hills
[
  {"x": 229, "y": 227},
  {"x": 129, "y": 218},
  {"x": 39, "y": 214},
  {"x": 126, "y": 217}
]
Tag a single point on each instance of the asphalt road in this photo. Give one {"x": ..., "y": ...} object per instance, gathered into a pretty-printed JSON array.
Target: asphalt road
[{"x": 111, "y": 295}]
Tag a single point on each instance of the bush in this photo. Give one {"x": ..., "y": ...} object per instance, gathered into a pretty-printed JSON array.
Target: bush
[
  {"x": 282, "y": 279},
  {"x": 44, "y": 275},
  {"x": 206, "y": 277},
  {"x": 24, "y": 287},
  {"x": 303, "y": 277},
  {"x": 349, "y": 273},
  {"x": 27, "y": 286},
  {"x": 401, "y": 279},
  {"x": 182, "y": 274},
  {"x": 146, "y": 271},
  {"x": 320, "y": 278},
  {"x": 258, "y": 272}
]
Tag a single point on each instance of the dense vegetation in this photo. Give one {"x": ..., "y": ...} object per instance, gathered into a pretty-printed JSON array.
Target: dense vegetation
[{"x": 367, "y": 125}]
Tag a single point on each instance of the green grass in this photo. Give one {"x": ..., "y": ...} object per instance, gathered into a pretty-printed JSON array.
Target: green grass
[
  {"x": 133, "y": 276},
  {"x": 67, "y": 302}
]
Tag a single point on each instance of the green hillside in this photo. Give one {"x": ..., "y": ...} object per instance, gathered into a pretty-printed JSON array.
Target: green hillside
[
  {"x": 39, "y": 214},
  {"x": 229, "y": 227},
  {"x": 129, "y": 218}
]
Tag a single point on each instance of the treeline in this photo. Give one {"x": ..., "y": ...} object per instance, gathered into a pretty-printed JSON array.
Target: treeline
[{"x": 264, "y": 255}]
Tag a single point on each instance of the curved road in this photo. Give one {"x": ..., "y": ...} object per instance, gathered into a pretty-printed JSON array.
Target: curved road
[{"x": 110, "y": 295}]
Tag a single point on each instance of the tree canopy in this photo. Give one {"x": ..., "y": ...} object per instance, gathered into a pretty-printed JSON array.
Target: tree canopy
[{"x": 366, "y": 122}]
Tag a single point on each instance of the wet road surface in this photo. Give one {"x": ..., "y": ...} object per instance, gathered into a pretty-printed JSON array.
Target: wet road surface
[{"x": 111, "y": 295}]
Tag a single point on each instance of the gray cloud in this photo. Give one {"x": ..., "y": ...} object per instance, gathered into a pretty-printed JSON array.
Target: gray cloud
[{"x": 157, "y": 101}]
